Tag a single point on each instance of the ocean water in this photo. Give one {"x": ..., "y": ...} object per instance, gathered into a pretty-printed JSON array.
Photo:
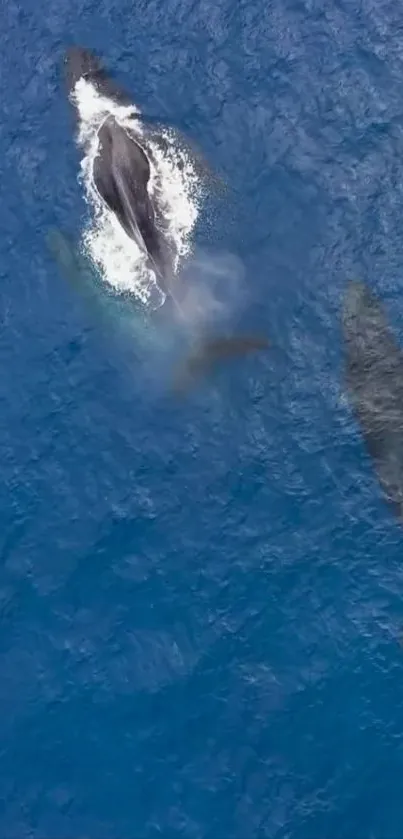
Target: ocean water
[{"x": 201, "y": 597}]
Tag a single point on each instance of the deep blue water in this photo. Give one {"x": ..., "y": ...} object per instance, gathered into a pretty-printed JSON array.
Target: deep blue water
[{"x": 201, "y": 601}]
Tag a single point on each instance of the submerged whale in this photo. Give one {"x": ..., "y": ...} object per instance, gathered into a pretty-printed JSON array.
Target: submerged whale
[
  {"x": 120, "y": 312},
  {"x": 121, "y": 168},
  {"x": 116, "y": 312},
  {"x": 374, "y": 376}
]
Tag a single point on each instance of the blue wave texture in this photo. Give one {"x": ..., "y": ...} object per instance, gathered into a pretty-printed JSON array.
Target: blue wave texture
[{"x": 201, "y": 597}]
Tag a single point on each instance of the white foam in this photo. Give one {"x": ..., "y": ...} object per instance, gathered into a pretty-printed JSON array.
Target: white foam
[{"x": 173, "y": 180}]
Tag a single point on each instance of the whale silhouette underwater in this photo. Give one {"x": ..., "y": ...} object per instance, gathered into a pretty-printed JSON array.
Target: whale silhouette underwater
[{"x": 374, "y": 379}]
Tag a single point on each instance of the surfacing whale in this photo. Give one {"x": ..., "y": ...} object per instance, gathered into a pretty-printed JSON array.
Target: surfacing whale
[
  {"x": 121, "y": 169},
  {"x": 121, "y": 176},
  {"x": 374, "y": 376}
]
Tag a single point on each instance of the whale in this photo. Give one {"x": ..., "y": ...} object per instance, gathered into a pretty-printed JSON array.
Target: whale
[
  {"x": 121, "y": 176},
  {"x": 122, "y": 166},
  {"x": 374, "y": 381}
]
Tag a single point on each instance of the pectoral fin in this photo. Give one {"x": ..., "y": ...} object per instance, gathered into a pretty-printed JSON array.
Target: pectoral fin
[{"x": 210, "y": 352}]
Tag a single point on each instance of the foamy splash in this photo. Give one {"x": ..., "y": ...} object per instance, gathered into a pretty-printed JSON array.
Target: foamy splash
[{"x": 173, "y": 181}]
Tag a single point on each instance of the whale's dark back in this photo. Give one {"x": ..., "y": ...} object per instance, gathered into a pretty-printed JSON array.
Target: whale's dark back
[
  {"x": 121, "y": 175},
  {"x": 374, "y": 371}
]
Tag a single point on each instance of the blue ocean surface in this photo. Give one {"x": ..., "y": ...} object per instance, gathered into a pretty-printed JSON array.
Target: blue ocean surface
[{"x": 201, "y": 596}]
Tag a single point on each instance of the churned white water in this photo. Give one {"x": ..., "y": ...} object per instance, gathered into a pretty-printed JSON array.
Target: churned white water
[{"x": 173, "y": 180}]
